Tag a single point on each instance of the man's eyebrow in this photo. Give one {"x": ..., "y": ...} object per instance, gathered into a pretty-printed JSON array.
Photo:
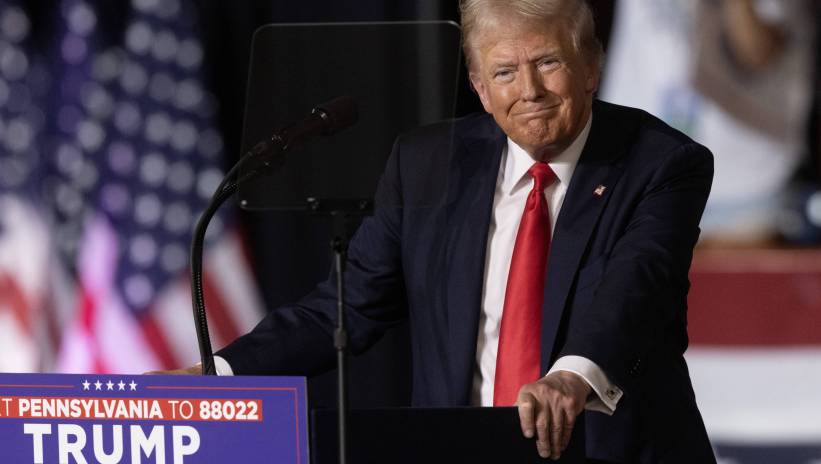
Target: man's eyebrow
[
  {"x": 546, "y": 54},
  {"x": 502, "y": 63}
]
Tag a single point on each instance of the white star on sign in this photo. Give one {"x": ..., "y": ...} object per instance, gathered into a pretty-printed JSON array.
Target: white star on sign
[
  {"x": 98, "y": 385},
  {"x": 133, "y": 385},
  {"x": 85, "y": 384},
  {"x": 121, "y": 385},
  {"x": 110, "y": 385}
]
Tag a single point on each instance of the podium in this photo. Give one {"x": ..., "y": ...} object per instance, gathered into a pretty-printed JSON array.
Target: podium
[
  {"x": 432, "y": 435},
  {"x": 207, "y": 419}
]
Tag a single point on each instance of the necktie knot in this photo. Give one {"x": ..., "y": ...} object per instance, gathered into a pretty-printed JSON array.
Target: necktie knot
[{"x": 542, "y": 175}]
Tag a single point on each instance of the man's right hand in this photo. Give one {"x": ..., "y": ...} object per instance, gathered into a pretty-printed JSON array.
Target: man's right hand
[
  {"x": 196, "y": 369},
  {"x": 548, "y": 409}
]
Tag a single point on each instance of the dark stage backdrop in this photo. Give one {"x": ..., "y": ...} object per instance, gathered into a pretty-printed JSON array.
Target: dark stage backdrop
[{"x": 290, "y": 251}]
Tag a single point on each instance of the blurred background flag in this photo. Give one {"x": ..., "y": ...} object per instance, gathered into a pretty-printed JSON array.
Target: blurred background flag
[
  {"x": 755, "y": 352},
  {"x": 130, "y": 158},
  {"x": 28, "y": 336}
]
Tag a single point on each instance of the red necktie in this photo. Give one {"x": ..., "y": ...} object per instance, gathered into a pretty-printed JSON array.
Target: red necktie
[{"x": 519, "y": 355}]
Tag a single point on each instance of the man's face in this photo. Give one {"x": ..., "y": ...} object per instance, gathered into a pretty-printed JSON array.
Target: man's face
[{"x": 534, "y": 83}]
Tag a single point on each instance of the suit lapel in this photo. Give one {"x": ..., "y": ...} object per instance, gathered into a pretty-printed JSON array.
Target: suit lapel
[
  {"x": 583, "y": 204},
  {"x": 472, "y": 184}
]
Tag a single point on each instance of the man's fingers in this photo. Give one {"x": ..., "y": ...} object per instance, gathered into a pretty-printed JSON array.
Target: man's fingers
[
  {"x": 193, "y": 370},
  {"x": 556, "y": 432},
  {"x": 567, "y": 430},
  {"x": 542, "y": 449},
  {"x": 527, "y": 414},
  {"x": 550, "y": 406},
  {"x": 543, "y": 432}
]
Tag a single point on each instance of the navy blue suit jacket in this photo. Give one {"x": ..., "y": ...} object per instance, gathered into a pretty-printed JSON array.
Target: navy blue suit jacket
[{"x": 615, "y": 290}]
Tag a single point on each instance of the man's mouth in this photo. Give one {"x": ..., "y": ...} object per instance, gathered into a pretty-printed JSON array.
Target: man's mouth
[{"x": 537, "y": 111}]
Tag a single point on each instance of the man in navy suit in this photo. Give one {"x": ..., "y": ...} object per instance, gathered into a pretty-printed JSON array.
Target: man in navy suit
[{"x": 540, "y": 252}]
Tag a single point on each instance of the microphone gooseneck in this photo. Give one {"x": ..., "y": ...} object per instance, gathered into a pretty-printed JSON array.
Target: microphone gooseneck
[{"x": 325, "y": 119}]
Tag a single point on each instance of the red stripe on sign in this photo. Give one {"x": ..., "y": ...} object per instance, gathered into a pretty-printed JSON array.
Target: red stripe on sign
[
  {"x": 755, "y": 297},
  {"x": 20, "y": 385},
  {"x": 219, "y": 311},
  {"x": 157, "y": 341}
]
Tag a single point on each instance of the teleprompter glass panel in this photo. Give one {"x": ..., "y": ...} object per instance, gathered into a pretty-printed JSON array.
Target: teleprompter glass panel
[{"x": 402, "y": 75}]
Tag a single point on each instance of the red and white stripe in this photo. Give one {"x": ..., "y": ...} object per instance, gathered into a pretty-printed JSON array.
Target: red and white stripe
[
  {"x": 755, "y": 356},
  {"x": 25, "y": 267},
  {"x": 233, "y": 305},
  {"x": 106, "y": 337}
]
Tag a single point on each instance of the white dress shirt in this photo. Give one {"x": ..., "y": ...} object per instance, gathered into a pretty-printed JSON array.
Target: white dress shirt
[{"x": 512, "y": 188}]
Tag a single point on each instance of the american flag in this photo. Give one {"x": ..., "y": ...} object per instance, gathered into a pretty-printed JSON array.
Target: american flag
[
  {"x": 115, "y": 153},
  {"x": 26, "y": 263}
]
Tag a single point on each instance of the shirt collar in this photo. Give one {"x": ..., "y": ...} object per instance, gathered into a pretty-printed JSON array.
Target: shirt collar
[{"x": 518, "y": 161}]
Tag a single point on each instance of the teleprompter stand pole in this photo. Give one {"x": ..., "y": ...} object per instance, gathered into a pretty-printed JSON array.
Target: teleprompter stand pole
[
  {"x": 339, "y": 245},
  {"x": 340, "y": 210}
]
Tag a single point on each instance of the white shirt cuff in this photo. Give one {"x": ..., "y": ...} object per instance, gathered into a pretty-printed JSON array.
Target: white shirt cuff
[
  {"x": 607, "y": 394},
  {"x": 222, "y": 367}
]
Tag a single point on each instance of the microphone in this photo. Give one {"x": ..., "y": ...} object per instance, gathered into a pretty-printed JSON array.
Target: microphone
[{"x": 325, "y": 119}]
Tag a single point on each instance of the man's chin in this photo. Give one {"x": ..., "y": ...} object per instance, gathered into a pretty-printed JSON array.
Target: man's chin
[{"x": 533, "y": 139}]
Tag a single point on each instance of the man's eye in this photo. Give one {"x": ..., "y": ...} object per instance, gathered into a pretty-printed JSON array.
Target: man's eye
[
  {"x": 548, "y": 64},
  {"x": 503, "y": 74}
]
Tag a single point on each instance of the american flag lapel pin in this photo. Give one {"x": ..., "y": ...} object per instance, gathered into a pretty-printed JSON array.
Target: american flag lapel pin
[{"x": 599, "y": 190}]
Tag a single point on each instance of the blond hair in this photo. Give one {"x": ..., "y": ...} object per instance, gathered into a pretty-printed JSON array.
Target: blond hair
[{"x": 477, "y": 14}]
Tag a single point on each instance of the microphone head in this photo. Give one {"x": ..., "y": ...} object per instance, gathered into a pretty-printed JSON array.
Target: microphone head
[{"x": 338, "y": 113}]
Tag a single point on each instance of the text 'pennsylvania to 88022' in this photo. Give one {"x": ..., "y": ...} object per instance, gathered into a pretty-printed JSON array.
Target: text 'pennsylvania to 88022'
[{"x": 165, "y": 409}]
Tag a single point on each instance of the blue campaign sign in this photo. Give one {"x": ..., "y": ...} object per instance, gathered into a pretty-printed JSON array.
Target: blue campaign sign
[{"x": 107, "y": 419}]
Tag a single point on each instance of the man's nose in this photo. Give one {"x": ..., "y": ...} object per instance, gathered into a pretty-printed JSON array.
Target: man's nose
[{"x": 532, "y": 87}]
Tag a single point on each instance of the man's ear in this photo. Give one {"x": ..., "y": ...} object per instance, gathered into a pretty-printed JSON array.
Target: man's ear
[
  {"x": 591, "y": 84},
  {"x": 479, "y": 87}
]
